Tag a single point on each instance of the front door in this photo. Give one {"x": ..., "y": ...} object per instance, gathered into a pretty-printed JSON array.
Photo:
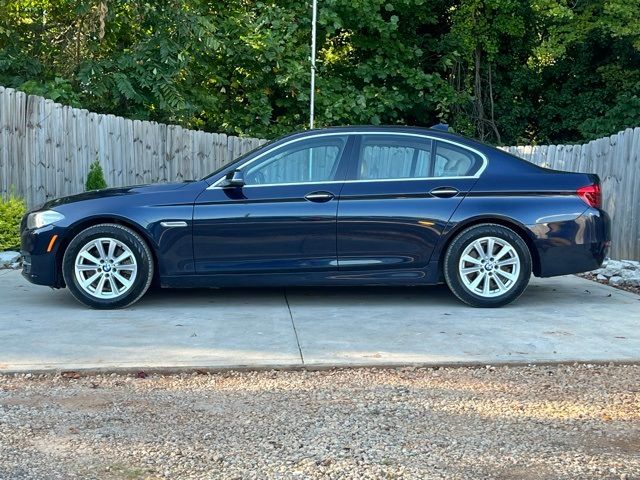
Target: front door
[
  {"x": 401, "y": 191},
  {"x": 282, "y": 220}
]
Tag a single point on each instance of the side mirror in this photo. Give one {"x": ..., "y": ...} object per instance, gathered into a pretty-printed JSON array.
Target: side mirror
[{"x": 234, "y": 178}]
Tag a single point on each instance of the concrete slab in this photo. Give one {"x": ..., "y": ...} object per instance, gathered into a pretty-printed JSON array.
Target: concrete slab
[
  {"x": 555, "y": 320},
  {"x": 558, "y": 319},
  {"x": 48, "y": 329}
]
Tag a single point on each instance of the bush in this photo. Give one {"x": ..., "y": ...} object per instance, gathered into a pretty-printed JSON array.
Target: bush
[
  {"x": 11, "y": 212},
  {"x": 95, "y": 178}
]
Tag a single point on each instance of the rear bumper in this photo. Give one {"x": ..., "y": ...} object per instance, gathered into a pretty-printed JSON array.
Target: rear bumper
[
  {"x": 39, "y": 266},
  {"x": 573, "y": 246}
]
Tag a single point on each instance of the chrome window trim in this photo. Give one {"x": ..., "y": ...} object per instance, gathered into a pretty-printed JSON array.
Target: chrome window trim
[{"x": 484, "y": 158}]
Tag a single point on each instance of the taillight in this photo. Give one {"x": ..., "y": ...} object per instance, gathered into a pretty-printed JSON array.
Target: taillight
[{"x": 591, "y": 195}]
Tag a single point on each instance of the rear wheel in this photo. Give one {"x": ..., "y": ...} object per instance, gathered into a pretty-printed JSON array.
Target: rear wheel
[
  {"x": 107, "y": 266},
  {"x": 487, "y": 265}
]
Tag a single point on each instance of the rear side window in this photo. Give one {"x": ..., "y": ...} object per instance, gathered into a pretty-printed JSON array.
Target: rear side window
[
  {"x": 453, "y": 161},
  {"x": 384, "y": 157}
]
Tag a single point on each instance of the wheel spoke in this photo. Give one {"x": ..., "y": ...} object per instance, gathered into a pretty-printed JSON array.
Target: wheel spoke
[
  {"x": 112, "y": 248},
  {"x": 100, "y": 247},
  {"x": 470, "y": 259},
  {"x": 468, "y": 270},
  {"x": 125, "y": 283},
  {"x": 508, "y": 261},
  {"x": 500, "y": 283},
  {"x": 486, "y": 285},
  {"x": 506, "y": 275},
  {"x": 87, "y": 268},
  {"x": 91, "y": 279},
  {"x": 87, "y": 256},
  {"x": 490, "y": 244},
  {"x": 503, "y": 251},
  {"x": 123, "y": 256},
  {"x": 112, "y": 283},
  {"x": 100, "y": 286},
  {"x": 477, "y": 280},
  {"x": 478, "y": 246},
  {"x": 129, "y": 267}
]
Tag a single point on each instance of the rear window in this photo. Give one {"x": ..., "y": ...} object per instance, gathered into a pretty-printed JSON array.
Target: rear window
[{"x": 453, "y": 161}]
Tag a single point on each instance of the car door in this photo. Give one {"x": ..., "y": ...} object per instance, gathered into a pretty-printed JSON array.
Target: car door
[
  {"x": 401, "y": 190},
  {"x": 282, "y": 220}
]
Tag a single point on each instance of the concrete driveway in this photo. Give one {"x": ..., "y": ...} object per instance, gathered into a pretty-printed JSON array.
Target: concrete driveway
[{"x": 556, "y": 320}]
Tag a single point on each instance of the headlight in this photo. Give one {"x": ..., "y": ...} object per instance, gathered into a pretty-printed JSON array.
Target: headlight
[{"x": 40, "y": 219}]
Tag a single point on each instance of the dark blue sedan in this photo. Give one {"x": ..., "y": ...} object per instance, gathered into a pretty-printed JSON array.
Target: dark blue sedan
[{"x": 340, "y": 206}]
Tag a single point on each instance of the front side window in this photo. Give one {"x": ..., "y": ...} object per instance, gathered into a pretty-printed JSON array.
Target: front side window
[
  {"x": 386, "y": 157},
  {"x": 306, "y": 161}
]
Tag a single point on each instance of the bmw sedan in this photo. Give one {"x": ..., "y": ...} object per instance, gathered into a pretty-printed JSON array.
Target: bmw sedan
[{"x": 339, "y": 206}]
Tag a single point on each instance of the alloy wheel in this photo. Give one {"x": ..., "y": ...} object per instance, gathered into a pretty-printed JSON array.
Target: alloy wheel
[
  {"x": 489, "y": 267},
  {"x": 105, "y": 268}
]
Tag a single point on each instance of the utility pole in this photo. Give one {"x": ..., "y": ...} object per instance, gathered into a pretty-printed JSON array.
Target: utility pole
[{"x": 313, "y": 61}]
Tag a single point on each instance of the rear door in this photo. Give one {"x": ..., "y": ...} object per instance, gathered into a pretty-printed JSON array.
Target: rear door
[{"x": 399, "y": 195}]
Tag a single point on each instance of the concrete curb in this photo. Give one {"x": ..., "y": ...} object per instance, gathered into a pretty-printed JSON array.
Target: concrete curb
[{"x": 124, "y": 371}]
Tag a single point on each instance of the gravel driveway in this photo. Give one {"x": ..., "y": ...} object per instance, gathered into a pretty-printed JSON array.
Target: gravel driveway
[{"x": 518, "y": 422}]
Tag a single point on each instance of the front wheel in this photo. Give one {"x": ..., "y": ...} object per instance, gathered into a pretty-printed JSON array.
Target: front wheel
[
  {"x": 107, "y": 266},
  {"x": 487, "y": 265}
]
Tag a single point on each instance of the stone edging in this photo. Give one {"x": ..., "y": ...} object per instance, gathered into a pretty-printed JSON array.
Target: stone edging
[{"x": 11, "y": 260}]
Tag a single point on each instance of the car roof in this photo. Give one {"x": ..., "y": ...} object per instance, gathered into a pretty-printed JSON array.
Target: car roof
[
  {"x": 432, "y": 132},
  {"x": 375, "y": 128}
]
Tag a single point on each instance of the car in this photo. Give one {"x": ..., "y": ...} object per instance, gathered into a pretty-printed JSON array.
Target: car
[{"x": 337, "y": 206}]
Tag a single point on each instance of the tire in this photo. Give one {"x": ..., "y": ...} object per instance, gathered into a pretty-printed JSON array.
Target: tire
[
  {"x": 483, "y": 280},
  {"x": 121, "y": 274}
]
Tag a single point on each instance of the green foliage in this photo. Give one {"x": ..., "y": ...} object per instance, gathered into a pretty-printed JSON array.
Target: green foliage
[
  {"x": 504, "y": 71},
  {"x": 95, "y": 177},
  {"x": 12, "y": 210},
  {"x": 58, "y": 89}
]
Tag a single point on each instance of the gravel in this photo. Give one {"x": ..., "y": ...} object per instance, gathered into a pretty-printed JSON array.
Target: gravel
[
  {"x": 622, "y": 274},
  {"x": 606, "y": 281},
  {"x": 579, "y": 421}
]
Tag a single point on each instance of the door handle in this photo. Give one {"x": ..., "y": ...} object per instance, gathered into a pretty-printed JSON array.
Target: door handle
[
  {"x": 444, "y": 192},
  {"x": 319, "y": 197}
]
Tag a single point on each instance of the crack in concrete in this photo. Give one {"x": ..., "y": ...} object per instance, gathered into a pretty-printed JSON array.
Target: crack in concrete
[{"x": 293, "y": 324}]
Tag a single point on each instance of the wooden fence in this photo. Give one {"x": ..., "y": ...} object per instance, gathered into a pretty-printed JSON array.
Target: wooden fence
[{"x": 46, "y": 149}]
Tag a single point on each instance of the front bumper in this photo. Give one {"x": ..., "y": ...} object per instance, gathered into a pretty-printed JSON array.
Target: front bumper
[
  {"x": 40, "y": 266},
  {"x": 575, "y": 246}
]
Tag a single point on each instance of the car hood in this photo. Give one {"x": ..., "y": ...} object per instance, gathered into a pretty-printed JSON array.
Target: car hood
[{"x": 114, "y": 192}]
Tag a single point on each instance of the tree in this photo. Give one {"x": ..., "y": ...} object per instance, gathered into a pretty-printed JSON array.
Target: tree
[
  {"x": 95, "y": 177},
  {"x": 504, "y": 71}
]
